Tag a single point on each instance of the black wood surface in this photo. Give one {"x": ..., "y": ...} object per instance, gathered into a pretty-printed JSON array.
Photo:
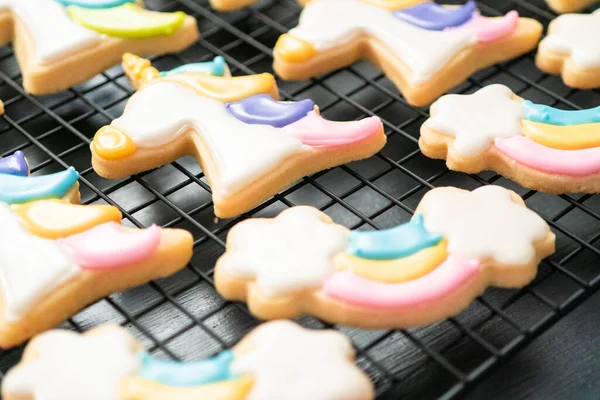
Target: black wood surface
[{"x": 563, "y": 363}]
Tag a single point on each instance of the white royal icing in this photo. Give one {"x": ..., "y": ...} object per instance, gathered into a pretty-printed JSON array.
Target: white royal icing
[
  {"x": 160, "y": 112},
  {"x": 30, "y": 267},
  {"x": 289, "y": 253},
  {"x": 293, "y": 363},
  {"x": 329, "y": 23},
  {"x": 69, "y": 366},
  {"x": 475, "y": 120},
  {"x": 53, "y": 32},
  {"x": 483, "y": 224},
  {"x": 576, "y": 35}
]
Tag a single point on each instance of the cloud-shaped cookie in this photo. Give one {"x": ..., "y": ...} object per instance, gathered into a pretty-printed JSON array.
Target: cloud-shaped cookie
[{"x": 430, "y": 268}]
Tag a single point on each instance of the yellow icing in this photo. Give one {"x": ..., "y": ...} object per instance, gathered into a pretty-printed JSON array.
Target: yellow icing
[
  {"x": 112, "y": 144},
  {"x": 135, "y": 388},
  {"x": 225, "y": 89},
  {"x": 398, "y": 270},
  {"x": 127, "y": 21},
  {"x": 294, "y": 50},
  {"x": 138, "y": 70},
  {"x": 569, "y": 137},
  {"x": 53, "y": 219}
]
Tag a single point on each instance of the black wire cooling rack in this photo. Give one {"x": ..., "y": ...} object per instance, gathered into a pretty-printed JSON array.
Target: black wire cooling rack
[{"x": 182, "y": 317}]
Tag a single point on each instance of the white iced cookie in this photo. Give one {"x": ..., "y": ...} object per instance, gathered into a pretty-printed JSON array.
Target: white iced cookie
[
  {"x": 64, "y": 43},
  {"x": 570, "y": 49}
]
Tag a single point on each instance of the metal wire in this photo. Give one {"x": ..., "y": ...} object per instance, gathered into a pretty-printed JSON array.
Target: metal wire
[{"x": 182, "y": 317}]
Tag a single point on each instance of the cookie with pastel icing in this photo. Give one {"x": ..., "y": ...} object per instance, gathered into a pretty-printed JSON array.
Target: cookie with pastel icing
[
  {"x": 425, "y": 49},
  {"x": 62, "y": 43},
  {"x": 277, "y": 360},
  {"x": 428, "y": 269},
  {"x": 250, "y": 145},
  {"x": 57, "y": 257},
  {"x": 566, "y": 6},
  {"x": 570, "y": 50},
  {"x": 537, "y": 146}
]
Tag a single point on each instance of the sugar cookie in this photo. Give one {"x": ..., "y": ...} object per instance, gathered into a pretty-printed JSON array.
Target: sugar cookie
[
  {"x": 249, "y": 145},
  {"x": 566, "y": 6},
  {"x": 277, "y": 360},
  {"x": 539, "y": 147},
  {"x": 431, "y": 268},
  {"x": 425, "y": 49},
  {"x": 16, "y": 186},
  {"x": 63, "y": 43},
  {"x": 570, "y": 49},
  {"x": 80, "y": 254}
]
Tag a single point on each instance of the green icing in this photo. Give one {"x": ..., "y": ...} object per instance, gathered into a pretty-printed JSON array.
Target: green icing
[{"x": 127, "y": 21}]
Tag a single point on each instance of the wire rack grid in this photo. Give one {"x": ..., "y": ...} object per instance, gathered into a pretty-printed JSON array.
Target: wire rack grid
[{"x": 183, "y": 318}]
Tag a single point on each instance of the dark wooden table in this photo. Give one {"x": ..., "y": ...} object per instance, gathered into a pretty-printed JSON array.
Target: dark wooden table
[{"x": 563, "y": 363}]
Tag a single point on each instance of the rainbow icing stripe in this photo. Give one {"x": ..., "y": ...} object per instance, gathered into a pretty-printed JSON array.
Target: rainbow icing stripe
[
  {"x": 417, "y": 268},
  {"x": 434, "y": 17},
  {"x": 556, "y": 141}
]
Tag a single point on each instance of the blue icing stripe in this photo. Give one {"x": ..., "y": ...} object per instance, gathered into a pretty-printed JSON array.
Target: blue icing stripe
[
  {"x": 14, "y": 165},
  {"x": 215, "y": 67},
  {"x": 94, "y": 3},
  {"x": 262, "y": 109},
  {"x": 435, "y": 17},
  {"x": 173, "y": 373},
  {"x": 398, "y": 242},
  {"x": 22, "y": 189},
  {"x": 554, "y": 116}
]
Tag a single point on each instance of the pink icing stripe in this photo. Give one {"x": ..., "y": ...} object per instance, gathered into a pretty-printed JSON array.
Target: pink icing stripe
[
  {"x": 316, "y": 131},
  {"x": 109, "y": 246},
  {"x": 565, "y": 162},
  {"x": 445, "y": 279},
  {"x": 488, "y": 30}
]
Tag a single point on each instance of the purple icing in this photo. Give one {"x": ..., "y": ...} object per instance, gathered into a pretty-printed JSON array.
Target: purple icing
[
  {"x": 262, "y": 109},
  {"x": 14, "y": 165},
  {"x": 434, "y": 17}
]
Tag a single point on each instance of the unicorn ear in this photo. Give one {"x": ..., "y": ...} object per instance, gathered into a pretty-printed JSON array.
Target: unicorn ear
[{"x": 139, "y": 70}]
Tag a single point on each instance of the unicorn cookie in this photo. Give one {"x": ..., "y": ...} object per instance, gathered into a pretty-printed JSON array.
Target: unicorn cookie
[
  {"x": 425, "y": 49},
  {"x": 277, "y": 360},
  {"x": 539, "y": 147},
  {"x": 570, "y": 49},
  {"x": 250, "y": 145},
  {"x": 16, "y": 186},
  {"x": 56, "y": 258},
  {"x": 430, "y": 268},
  {"x": 566, "y": 6},
  {"x": 62, "y": 43}
]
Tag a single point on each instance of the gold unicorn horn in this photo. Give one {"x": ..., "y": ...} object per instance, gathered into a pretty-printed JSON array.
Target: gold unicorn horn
[{"x": 139, "y": 70}]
